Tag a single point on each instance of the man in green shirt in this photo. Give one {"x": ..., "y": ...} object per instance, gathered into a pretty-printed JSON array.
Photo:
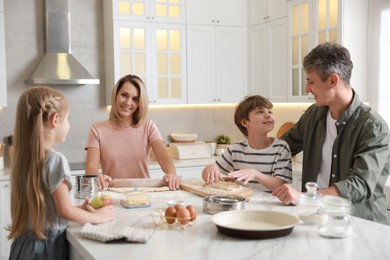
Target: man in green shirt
[{"x": 345, "y": 143}]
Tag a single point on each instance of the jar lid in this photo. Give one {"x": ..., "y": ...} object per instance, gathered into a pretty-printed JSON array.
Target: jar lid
[{"x": 335, "y": 204}]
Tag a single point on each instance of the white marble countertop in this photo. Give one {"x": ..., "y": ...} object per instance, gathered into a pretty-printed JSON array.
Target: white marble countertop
[{"x": 368, "y": 240}]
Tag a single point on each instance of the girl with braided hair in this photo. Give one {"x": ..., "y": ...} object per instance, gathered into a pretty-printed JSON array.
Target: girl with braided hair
[{"x": 41, "y": 197}]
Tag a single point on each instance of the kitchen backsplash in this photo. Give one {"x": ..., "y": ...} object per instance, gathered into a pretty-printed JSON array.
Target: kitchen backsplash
[{"x": 207, "y": 122}]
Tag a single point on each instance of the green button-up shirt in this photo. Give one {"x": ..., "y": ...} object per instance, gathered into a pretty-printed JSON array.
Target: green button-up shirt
[{"x": 360, "y": 155}]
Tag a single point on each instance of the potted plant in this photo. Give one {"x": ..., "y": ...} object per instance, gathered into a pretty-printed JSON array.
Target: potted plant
[{"x": 223, "y": 141}]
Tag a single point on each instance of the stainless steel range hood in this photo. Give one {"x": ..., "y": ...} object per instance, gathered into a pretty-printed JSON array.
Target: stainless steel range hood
[{"x": 58, "y": 66}]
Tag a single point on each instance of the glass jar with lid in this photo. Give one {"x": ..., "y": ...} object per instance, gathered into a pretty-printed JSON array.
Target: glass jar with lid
[
  {"x": 308, "y": 204},
  {"x": 335, "y": 218}
]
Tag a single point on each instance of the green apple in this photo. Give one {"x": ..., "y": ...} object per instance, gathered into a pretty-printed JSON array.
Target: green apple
[{"x": 101, "y": 201}]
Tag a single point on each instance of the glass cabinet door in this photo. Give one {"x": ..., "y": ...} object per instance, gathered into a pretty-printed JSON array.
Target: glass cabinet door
[
  {"x": 132, "y": 51},
  {"x": 327, "y": 21},
  {"x": 156, "y": 53},
  {"x": 311, "y": 22},
  {"x": 152, "y": 49},
  {"x": 169, "y": 54},
  {"x": 149, "y": 10},
  {"x": 300, "y": 43}
]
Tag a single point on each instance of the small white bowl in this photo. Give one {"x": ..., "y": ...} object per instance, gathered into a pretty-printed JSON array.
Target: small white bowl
[{"x": 172, "y": 203}]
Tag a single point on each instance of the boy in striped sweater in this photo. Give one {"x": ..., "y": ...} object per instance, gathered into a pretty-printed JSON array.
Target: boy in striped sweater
[{"x": 260, "y": 158}]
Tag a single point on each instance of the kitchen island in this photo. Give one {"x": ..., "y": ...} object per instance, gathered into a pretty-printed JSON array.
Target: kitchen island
[{"x": 368, "y": 240}]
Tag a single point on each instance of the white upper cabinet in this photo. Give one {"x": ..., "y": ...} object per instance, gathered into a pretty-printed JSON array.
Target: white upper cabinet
[
  {"x": 171, "y": 11},
  {"x": 260, "y": 11},
  {"x": 312, "y": 22},
  {"x": 215, "y": 64},
  {"x": 267, "y": 36},
  {"x": 216, "y": 12},
  {"x": 3, "y": 75},
  {"x": 216, "y": 51},
  {"x": 268, "y": 60},
  {"x": 154, "y": 50}
]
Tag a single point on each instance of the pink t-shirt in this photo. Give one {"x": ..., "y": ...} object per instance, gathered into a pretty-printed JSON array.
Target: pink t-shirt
[{"x": 124, "y": 153}]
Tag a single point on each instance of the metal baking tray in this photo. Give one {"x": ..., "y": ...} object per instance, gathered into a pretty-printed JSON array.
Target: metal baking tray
[{"x": 217, "y": 203}]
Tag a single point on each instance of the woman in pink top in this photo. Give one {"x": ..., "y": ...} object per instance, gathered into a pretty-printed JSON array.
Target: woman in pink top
[{"x": 122, "y": 143}]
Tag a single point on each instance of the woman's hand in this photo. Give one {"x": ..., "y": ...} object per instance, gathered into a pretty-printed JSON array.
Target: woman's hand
[
  {"x": 103, "y": 181},
  {"x": 172, "y": 180}
]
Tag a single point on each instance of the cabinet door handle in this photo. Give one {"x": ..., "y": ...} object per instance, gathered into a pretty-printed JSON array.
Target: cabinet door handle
[
  {"x": 217, "y": 21},
  {"x": 213, "y": 21}
]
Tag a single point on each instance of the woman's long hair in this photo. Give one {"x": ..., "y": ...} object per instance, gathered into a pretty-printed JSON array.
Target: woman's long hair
[
  {"x": 36, "y": 106},
  {"x": 140, "y": 114}
]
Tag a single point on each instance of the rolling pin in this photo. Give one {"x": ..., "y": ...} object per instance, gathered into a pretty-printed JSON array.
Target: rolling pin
[{"x": 137, "y": 182}]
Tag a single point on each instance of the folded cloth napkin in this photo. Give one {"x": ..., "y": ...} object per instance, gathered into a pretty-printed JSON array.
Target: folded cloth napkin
[{"x": 104, "y": 234}]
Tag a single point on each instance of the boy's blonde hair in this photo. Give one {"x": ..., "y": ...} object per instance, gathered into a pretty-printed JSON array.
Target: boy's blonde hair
[
  {"x": 36, "y": 106},
  {"x": 247, "y": 105},
  {"x": 140, "y": 114}
]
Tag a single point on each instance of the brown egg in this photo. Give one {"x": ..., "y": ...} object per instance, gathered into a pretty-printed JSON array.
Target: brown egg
[
  {"x": 170, "y": 215},
  {"x": 183, "y": 216},
  {"x": 192, "y": 211},
  {"x": 178, "y": 207}
]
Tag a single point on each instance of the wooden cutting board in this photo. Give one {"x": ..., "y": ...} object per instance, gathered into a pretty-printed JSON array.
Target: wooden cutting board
[
  {"x": 198, "y": 187},
  {"x": 136, "y": 182}
]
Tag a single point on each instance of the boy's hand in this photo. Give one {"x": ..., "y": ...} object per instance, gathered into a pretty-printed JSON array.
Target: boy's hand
[
  {"x": 244, "y": 175},
  {"x": 211, "y": 174}
]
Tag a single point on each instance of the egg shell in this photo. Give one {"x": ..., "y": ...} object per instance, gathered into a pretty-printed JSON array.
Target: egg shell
[
  {"x": 178, "y": 207},
  {"x": 183, "y": 216},
  {"x": 192, "y": 211},
  {"x": 170, "y": 215}
]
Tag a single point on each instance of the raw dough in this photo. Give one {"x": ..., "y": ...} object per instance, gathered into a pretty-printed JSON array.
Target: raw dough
[{"x": 225, "y": 185}]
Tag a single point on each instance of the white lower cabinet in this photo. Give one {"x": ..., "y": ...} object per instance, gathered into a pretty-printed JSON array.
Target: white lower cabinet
[{"x": 5, "y": 220}]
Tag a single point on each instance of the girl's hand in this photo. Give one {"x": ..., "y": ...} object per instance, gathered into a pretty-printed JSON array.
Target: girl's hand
[
  {"x": 103, "y": 181},
  {"x": 104, "y": 214},
  {"x": 84, "y": 204},
  {"x": 172, "y": 180}
]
